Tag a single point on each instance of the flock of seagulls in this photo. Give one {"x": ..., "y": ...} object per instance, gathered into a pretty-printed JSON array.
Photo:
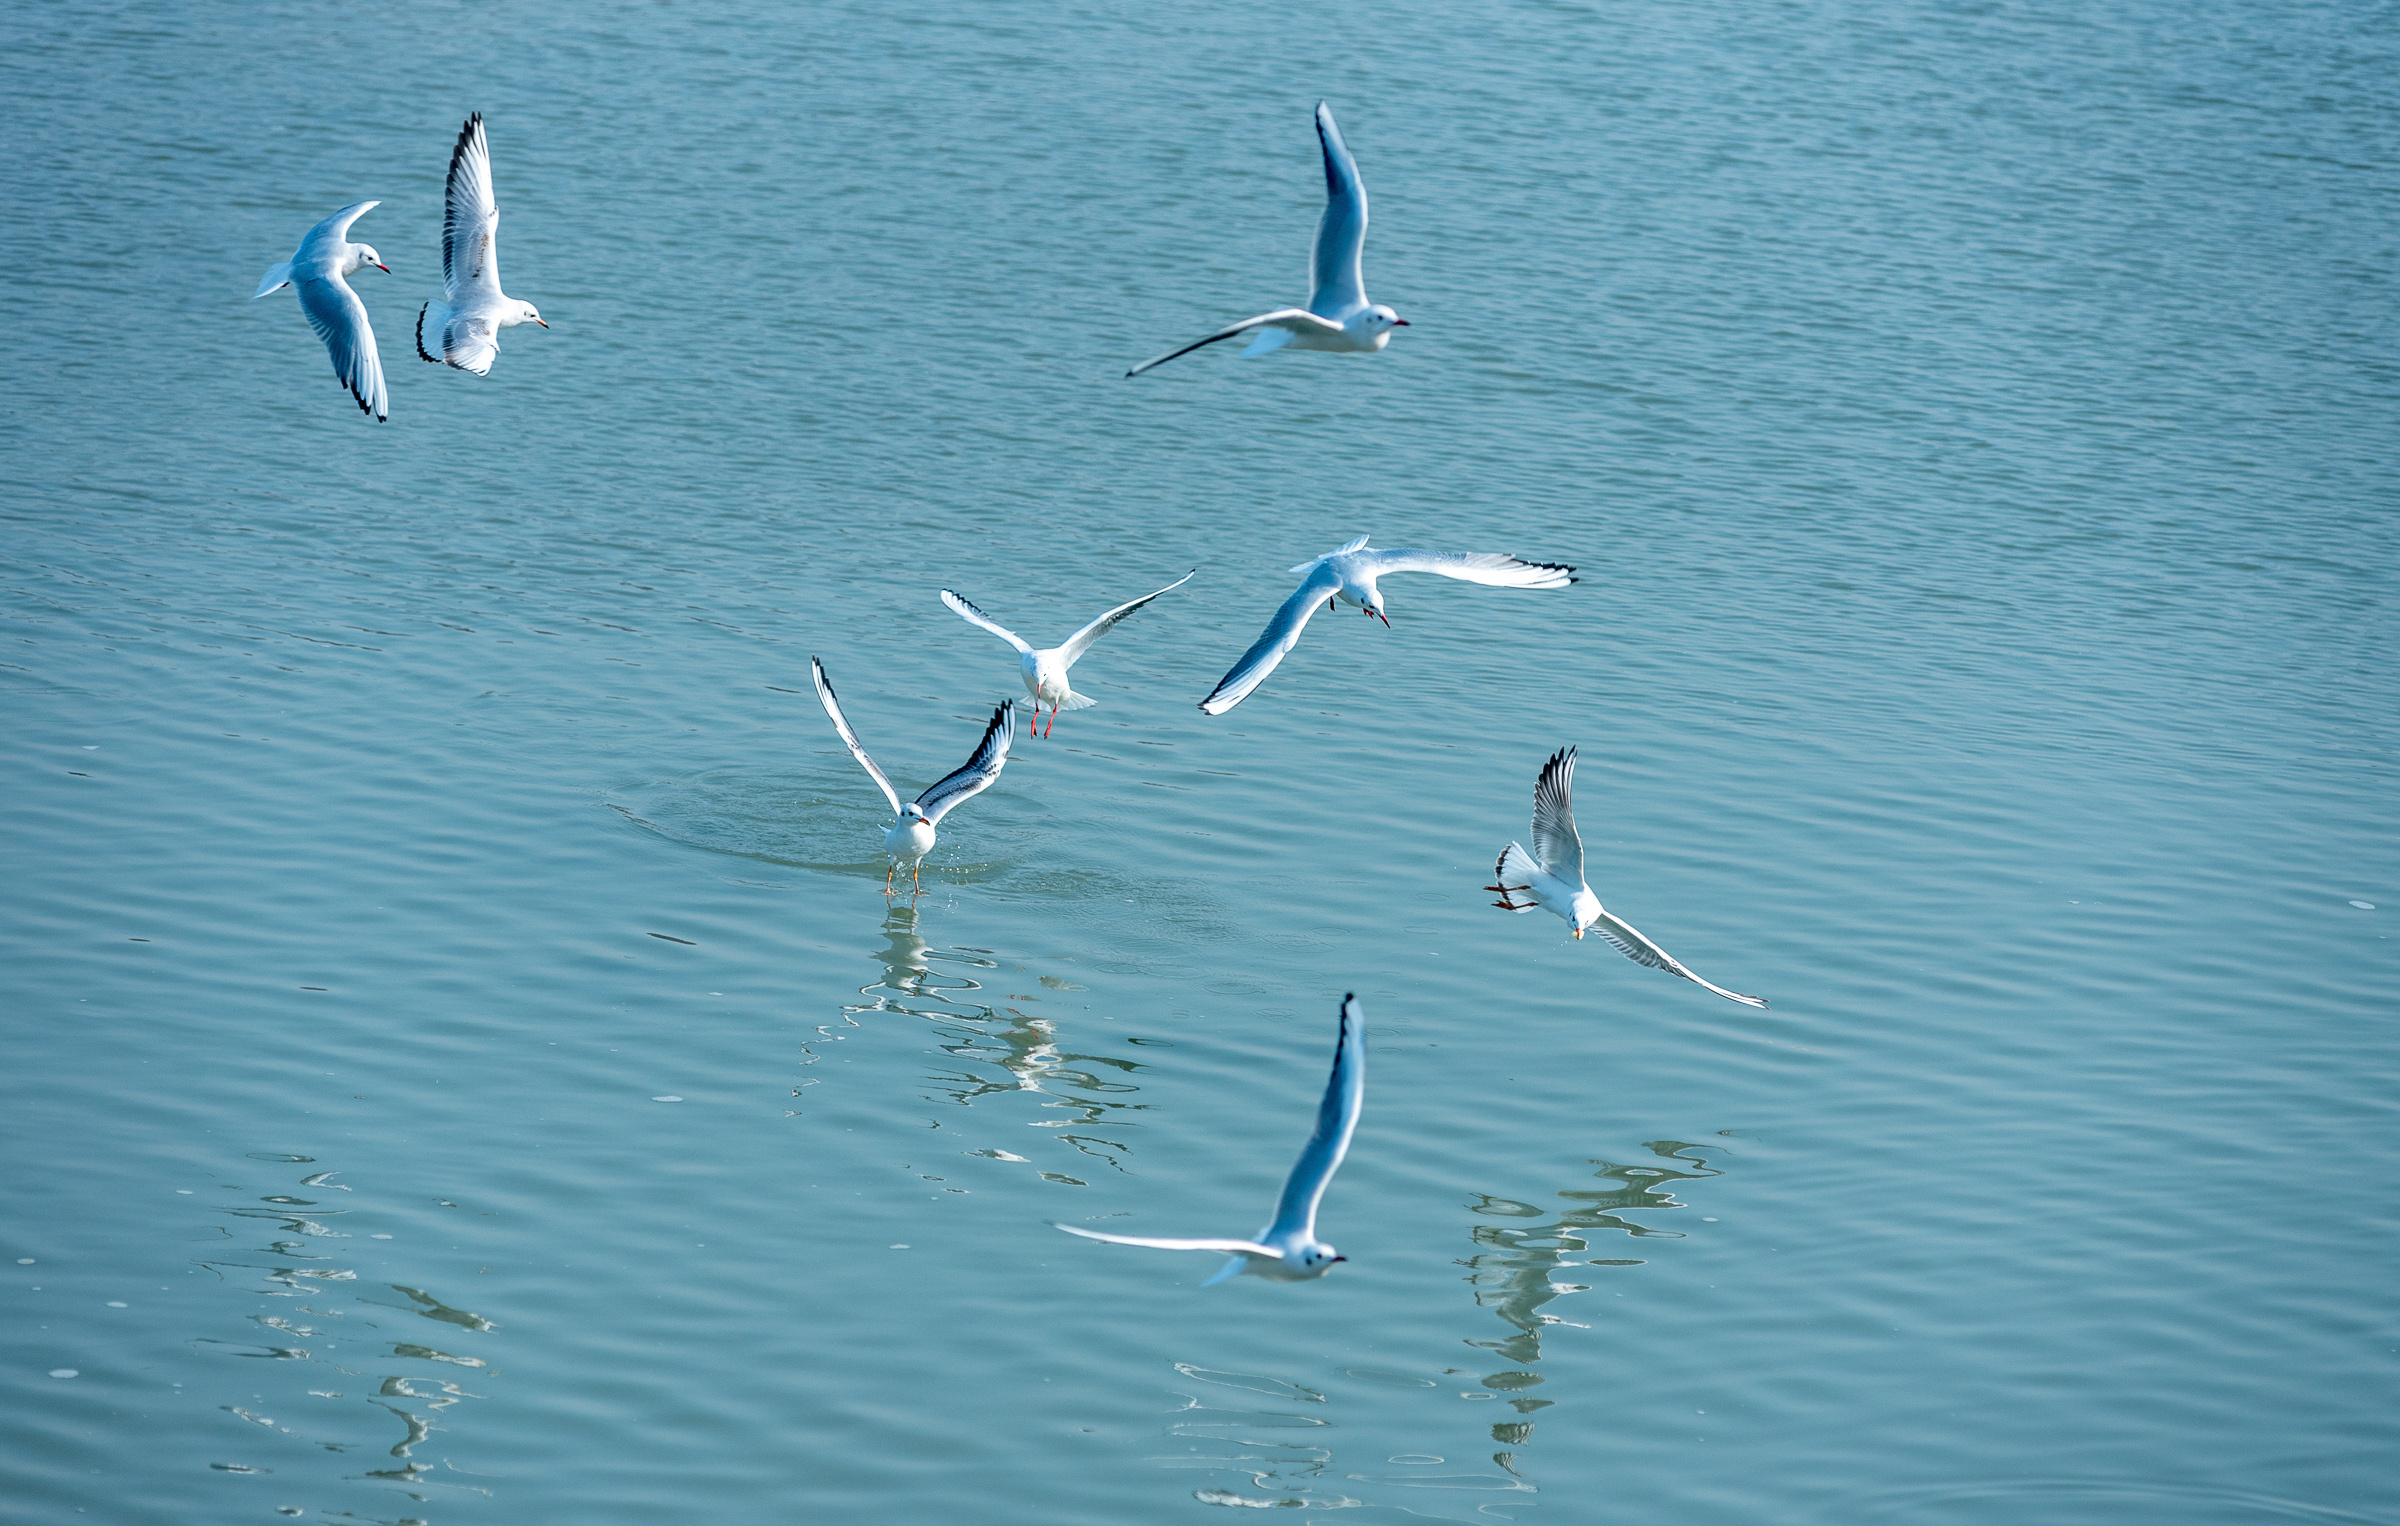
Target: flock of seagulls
[
  {"x": 1550, "y": 876},
  {"x": 464, "y": 325},
  {"x": 462, "y": 330}
]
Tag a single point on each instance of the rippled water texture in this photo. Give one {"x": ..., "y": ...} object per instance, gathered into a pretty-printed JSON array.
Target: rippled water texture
[{"x": 461, "y": 1064}]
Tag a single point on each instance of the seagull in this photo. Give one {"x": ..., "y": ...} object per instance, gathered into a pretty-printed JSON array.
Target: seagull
[
  {"x": 1288, "y": 1249},
  {"x": 1348, "y": 574},
  {"x": 910, "y": 836},
  {"x": 1045, "y": 672},
  {"x": 473, "y": 310},
  {"x": 1553, "y": 876},
  {"x": 1338, "y": 315},
  {"x": 315, "y": 272}
]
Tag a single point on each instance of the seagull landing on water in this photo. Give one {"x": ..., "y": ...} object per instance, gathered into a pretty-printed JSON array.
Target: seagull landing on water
[
  {"x": 1338, "y": 316},
  {"x": 315, "y": 274},
  {"x": 1349, "y": 574},
  {"x": 466, "y": 324},
  {"x": 1045, "y": 672},
  {"x": 910, "y": 836},
  {"x": 1552, "y": 874},
  {"x": 1288, "y": 1249}
]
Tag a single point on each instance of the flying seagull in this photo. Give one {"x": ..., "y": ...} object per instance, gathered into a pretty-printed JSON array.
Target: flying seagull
[
  {"x": 1553, "y": 875},
  {"x": 1349, "y": 574},
  {"x": 910, "y": 836},
  {"x": 315, "y": 273},
  {"x": 1045, "y": 672},
  {"x": 1288, "y": 1249},
  {"x": 466, "y": 323},
  {"x": 1338, "y": 315}
]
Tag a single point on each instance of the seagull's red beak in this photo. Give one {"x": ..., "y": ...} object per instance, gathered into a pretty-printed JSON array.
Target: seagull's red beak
[
  {"x": 545, "y": 325},
  {"x": 1380, "y": 615},
  {"x": 1399, "y": 323},
  {"x": 386, "y": 269}
]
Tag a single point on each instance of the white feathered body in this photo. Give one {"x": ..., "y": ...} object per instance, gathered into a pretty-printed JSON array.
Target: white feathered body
[
  {"x": 1573, "y": 904},
  {"x": 909, "y": 839},
  {"x": 316, "y": 273},
  {"x": 462, "y": 327},
  {"x": 1045, "y": 675}
]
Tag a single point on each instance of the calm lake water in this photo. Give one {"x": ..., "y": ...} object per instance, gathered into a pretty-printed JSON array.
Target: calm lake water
[{"x": 1974, "y": 426}]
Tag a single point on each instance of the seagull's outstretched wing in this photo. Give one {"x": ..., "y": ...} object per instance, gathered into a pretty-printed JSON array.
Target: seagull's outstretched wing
[
  {"x": 1641, "y": 950},
  {"x": 1340, "y": 286},
  {"x": 1297, "y": 319},
  {"x": 340, "y": 319},
  {"x": 333, "y": 231},
  {"x": 1337, "y": 1120},
  {"x": 976, "y": 776},
  {"x": 841, "y": 723},
  {"x": 1081, "y": 642},
  {"x": 470, "y": 341},
  {"x": 1344, "y": 549},
  {"x": 1556, "y": 843},
  {"x": 1221, "y": 1247},
  {"x": 470, "y": 220},
  {"x": 1475, "y": 567},
  {"x": 973, "y": 616},
  {"x": 1281, "y": 634}
]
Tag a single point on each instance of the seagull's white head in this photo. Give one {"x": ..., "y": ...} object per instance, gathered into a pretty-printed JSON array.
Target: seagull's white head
[
  {"x": 1583, "y": 913},
  {"x": 1380, "y": 318},
  {"x": 915, "y": 812},
  {"x": 1370, "y": 601},
  {"x": 363, "y": 255},
  {"x": 527, "y": 314},
  {"x": 1317, "y": 1259}
]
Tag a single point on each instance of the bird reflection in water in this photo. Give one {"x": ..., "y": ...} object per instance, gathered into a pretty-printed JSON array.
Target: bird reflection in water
[
  {"x": 1000, "y": 1049},
  {"x": 1511, "y": 1271},
  {"x": 336, "y": 1315}
]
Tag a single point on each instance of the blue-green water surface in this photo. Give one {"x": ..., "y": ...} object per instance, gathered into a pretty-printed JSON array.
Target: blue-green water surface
[{"x": 1973, "y": 424}]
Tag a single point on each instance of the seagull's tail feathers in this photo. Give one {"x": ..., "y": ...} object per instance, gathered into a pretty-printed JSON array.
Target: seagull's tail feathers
[
  {"x": 276, "y": 279},
  {"x": 1075, "y": 701},
  {"x": 1510, "y": 877},
  {"x": 438, "y": 314},
  {"x": 1268, "y": 342},
  {"x": 1516, "y": 866},
  {"x": 1231, "y": 1269}
]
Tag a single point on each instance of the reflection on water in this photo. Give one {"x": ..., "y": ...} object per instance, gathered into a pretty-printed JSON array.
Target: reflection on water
[
  {"x": 414, "y": 1383},
  {"x": 998, "y": 1050},
  {"x": 1253, "y": 1461},
  {"x": 2075, "y": 1502},
  {"x": 1512, "y": 1270}
]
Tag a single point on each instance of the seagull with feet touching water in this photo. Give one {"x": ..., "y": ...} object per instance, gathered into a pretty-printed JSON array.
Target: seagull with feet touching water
[
  {"x": 1338, "y": 316},
  {"x": 910, "y": 836}
]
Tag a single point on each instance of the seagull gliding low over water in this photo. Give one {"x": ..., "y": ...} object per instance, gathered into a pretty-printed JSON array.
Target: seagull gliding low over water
[
  {"x": 314, "y": 273},
  {"x": 466, "y": 324},
  {"x": 1045, "y": 672},
  {"x": 1553, "y": 875},
  {"x": 1349, "y": 574},
  {"x": 1288, "y": 1249},
  {"x": 1338, "y": 316},
  {"x": 910, "y": 836}
]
